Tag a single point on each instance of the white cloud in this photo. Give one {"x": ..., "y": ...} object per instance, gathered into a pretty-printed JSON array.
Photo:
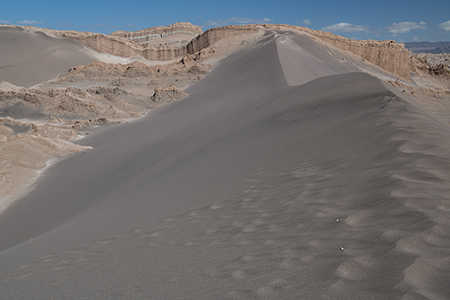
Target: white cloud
[
  {"x": 344, "y": 27},
  {"x": 416, "y": 39},
  {"x": 307, "y": 22},
  {"x": 445, "y": 26},
  {"x": 235, "y": 20},
  {"x": 404, "y": 27},
  {"x": 26, "y": 22},
  {"x": 5, "y": 22}
]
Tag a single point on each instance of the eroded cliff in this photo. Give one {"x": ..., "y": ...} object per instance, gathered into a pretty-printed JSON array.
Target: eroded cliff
[
  {"x": 388, "y": 55},
  {"x": 157, "y": 34}
]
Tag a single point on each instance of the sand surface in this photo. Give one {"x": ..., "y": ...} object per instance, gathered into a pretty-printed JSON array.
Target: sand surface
[
  {"x": 271, "y": 180},
  {"x": 52, "y": 114},
  {"x": 29, "y": 58}
]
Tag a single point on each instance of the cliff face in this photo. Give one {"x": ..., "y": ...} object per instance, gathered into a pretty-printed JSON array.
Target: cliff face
[
  {"x": 122, "y": 46},
  {"x": 150, "y": 43},
  {"x": 158, "y": 33},
  {"x": 213, "y": 35},
  {"x": 388, "y": 55}
]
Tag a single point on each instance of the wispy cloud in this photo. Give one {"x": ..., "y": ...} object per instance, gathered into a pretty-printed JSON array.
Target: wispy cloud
[
  {"x": 235, "y": 20},
  {"x": 130, "y": 25},
  {"x": 445, "y": 26},
  {"x": 404, "y": 27},
  {"x": 306, "y": 22},
  {"x": 5, "y": 22},
  {"x": 344, "y": 27},
  {"x": 27, "y": 22}
]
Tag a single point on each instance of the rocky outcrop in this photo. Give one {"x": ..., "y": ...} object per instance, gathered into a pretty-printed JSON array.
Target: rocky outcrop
[
  {"x": 69, "y": 102},
  {"x": 422, "y": 65},
  {"x": 213, "y": 35},
  {"x": 128, "y": 44},
  {"x": 121, "y": 46},
  {"x": 388, "y": 55},
  {"x": 440, "y": 70},
  {"x": 436, "y": 59},
  {"x": 165, "y": 94},
  {"x": 102, "y": 90},
  {"x": 158, "y": 33},
  {"x": 23, "y": 153},
  {"x": 181, "y": 74}
]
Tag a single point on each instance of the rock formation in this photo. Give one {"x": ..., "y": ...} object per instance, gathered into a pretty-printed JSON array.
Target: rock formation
[
  {"x": 111, "y": 97},
  {"x": 158, "y": 33},
  {"x": 139, "y": 43},
  {"x": 26, "y": 148},
  {"x": 435, "y": 59},
  {"x": 388, "y": 55},
  {"x": 63, "y": 111},
  {"x": 165, "y": 94},
  {"x": 439, "y": 67}
]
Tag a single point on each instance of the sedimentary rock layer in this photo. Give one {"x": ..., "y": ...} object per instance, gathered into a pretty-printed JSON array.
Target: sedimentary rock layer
[
  {"x": 159, "y": 32},
  {"x": 388, "y": 55}
]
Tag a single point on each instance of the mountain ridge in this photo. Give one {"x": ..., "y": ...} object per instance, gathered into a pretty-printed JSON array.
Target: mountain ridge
[{"x": 388, "y": 55}]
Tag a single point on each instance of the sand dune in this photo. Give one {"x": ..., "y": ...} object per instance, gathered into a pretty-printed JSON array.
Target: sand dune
[
  {"x": 52, "y": 114},
  {"x": 29, "y": 58},
  {"x": 286, "y": 174}
]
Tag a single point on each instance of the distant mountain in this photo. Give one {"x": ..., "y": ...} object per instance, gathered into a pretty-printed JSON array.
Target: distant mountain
[{"x": 431, "y": 47}]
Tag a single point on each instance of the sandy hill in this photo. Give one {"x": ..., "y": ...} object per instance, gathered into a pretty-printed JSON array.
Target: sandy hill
[{"x": 299, "y": 165}]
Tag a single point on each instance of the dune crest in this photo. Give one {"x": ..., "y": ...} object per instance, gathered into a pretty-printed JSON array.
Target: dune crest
[{"x": 294, "y": 168}]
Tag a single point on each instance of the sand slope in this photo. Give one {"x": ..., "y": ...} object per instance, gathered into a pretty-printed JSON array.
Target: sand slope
[
  {"x": 29, "y": 58},
  {"x": 250, "y": 188}
]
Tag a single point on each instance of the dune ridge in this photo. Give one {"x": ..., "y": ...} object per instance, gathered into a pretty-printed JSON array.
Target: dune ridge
[{"x": 289, "y": 171}]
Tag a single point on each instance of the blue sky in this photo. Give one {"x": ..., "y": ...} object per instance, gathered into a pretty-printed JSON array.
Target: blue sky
[{"x": 403, "y": 21}]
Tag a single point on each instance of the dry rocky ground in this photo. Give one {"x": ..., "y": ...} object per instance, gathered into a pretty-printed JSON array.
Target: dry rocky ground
[
  {"x": 40, "y": 123},
  {"x": 436, "y": 59}
]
